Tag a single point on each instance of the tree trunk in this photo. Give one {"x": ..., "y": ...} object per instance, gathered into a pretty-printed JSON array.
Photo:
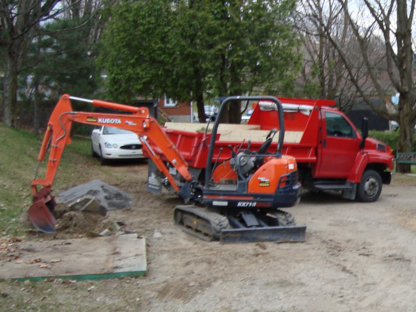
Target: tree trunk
[
  {"x": 10, "y": 111},
  {"x": 7, "y": 114},
  {"x": 405, "y": 144},
  {"x": 200, "y": 106},
  {"x": 406, "y": 134},
  {"x": 235, "y": 112},
  {"x": 12, "y": 101},
  {"x": 36, "y": 115}
]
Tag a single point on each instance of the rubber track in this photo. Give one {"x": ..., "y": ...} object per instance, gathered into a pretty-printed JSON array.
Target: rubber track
[
  {"x": 216, "y": 221},
  {"x": 284, "y": 218}
]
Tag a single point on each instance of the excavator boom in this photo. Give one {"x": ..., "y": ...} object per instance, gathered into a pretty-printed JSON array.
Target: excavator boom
[{"x": 57, "y": 136}]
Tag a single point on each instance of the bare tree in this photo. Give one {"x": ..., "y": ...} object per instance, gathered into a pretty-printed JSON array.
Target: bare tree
[
  {"x": 18, "y": 18},
  {"x": 392, "y": 22},
  {"x": 321, "y": 22}
]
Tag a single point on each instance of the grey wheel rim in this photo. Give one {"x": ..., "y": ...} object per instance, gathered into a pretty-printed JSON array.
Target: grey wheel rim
[{"x": 371, "y": 187}]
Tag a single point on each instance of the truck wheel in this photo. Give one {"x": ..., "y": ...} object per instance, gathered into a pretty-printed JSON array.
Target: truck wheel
[
  {"x": 102, "y": 159},
  {"x": 370, "y": 186}
]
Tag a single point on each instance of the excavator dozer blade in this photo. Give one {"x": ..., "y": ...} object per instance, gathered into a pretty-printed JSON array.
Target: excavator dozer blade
[
  {"x": 40, "y": 213},
  {"x": 278, "y": 234},
  {"x": 209, "y": 226}
]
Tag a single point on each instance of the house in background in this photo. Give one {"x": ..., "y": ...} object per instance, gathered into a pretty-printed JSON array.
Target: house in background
[
  {"x": 151, "y": 105},
  {"x": 176, "y": 111},
  {"x": 375, "y": 122}
]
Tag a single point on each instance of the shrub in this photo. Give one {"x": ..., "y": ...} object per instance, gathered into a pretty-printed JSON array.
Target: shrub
[{"x": 390, "y": 138}]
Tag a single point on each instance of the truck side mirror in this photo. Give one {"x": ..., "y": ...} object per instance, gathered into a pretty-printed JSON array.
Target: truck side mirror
[{"x": 364, "y": 131}]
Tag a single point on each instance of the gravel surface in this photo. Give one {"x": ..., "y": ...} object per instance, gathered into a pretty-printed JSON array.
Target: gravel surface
[{"x": 357, "y": 257}]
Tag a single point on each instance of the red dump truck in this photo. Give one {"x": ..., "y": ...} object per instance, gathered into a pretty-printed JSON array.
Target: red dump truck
[{"x": 330, "y": 152}]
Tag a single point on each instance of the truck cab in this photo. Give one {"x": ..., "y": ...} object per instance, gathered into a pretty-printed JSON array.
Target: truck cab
[
  {"x": 348, "y": 160},
  {"x": 331, "y": 153}
]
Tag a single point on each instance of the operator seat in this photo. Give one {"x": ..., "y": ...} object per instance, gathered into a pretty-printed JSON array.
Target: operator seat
[{"x": 263, "y": 150}]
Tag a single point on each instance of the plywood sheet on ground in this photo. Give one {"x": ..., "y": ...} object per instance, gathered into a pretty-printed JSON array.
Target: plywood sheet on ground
[{"x": 85, "y": 258}]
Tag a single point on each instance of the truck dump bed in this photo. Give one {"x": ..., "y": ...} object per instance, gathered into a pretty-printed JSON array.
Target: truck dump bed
[{"x": 192, "y": 139}]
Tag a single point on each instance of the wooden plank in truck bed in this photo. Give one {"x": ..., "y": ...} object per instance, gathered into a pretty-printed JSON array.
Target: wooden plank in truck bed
[
  {"x": 258, "y": 136},
  {"x": 200, "y": 127},
  {"x": 236, "y": 132}
]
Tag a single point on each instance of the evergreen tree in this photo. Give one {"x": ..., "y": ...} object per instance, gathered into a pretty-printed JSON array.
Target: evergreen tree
[
  {"x": 61, "y": 60},
  {"x": 184, "y": 48}
]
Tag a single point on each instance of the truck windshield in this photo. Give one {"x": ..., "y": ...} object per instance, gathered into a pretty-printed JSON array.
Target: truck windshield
[{"x": 337, "y": 126}]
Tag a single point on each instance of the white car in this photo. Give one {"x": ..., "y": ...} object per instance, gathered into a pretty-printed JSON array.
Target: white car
[{"x": 113, "y": 143}]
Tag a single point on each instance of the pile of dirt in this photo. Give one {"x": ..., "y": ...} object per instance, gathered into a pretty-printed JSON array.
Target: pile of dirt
[
  {"x": 86, "y": 222},
  {"x": 76, "y": 222}
]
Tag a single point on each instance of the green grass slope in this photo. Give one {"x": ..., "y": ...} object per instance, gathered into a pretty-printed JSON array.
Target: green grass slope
[{"x": 18, "y": 160}]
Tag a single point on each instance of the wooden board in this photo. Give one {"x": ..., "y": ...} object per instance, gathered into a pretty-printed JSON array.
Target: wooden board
[
  {"x": 258, "y": 136},
  {"x": 85, "y": 258},
  {"x": 198, "y": 127},
  {"x": 237, "y": 132}
]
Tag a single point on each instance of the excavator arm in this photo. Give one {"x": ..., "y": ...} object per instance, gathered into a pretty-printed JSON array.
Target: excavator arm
[{"x": 57, "y": 136}]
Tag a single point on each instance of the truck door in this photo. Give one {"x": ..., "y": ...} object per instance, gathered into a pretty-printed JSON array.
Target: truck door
[{"x": 338, "y": 146}]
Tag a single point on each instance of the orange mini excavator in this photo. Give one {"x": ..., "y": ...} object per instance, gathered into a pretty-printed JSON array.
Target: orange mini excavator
[{"x": 244, "y": 210}]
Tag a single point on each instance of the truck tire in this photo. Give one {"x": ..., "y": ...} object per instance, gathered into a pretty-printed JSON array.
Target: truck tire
[{"x": 369, "y": 189}]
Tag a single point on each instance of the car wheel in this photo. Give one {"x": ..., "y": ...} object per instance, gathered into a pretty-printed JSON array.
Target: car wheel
[
  {"x": 369, "y": 189},
  {"x": 102, "y": 159}
]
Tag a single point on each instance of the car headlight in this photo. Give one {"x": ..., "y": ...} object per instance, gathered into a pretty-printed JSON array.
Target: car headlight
[{"x": 110, "y": 145}]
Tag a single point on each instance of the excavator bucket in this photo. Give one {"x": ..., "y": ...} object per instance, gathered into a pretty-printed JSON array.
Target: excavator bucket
[{"x": 40, "y": 213}]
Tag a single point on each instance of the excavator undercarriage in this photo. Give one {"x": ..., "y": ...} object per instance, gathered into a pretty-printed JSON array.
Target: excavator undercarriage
[{"x": 242, "y": 226}]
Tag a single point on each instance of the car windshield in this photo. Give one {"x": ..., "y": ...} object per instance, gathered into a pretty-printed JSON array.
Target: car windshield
[{"x": 112, "y": 130}]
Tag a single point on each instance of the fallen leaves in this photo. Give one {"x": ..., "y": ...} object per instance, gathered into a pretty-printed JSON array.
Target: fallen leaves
[
  {"x": 41, "y": 263},
  {"x": 9, "y": 248},
  {"x": 33, "y": 261}
]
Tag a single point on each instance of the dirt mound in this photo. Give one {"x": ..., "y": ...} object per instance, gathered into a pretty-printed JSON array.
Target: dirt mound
[{"x": 75, "y": 222}]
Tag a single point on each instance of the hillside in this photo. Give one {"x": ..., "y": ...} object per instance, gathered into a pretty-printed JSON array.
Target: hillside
[{"x": 18, "y": 161}]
